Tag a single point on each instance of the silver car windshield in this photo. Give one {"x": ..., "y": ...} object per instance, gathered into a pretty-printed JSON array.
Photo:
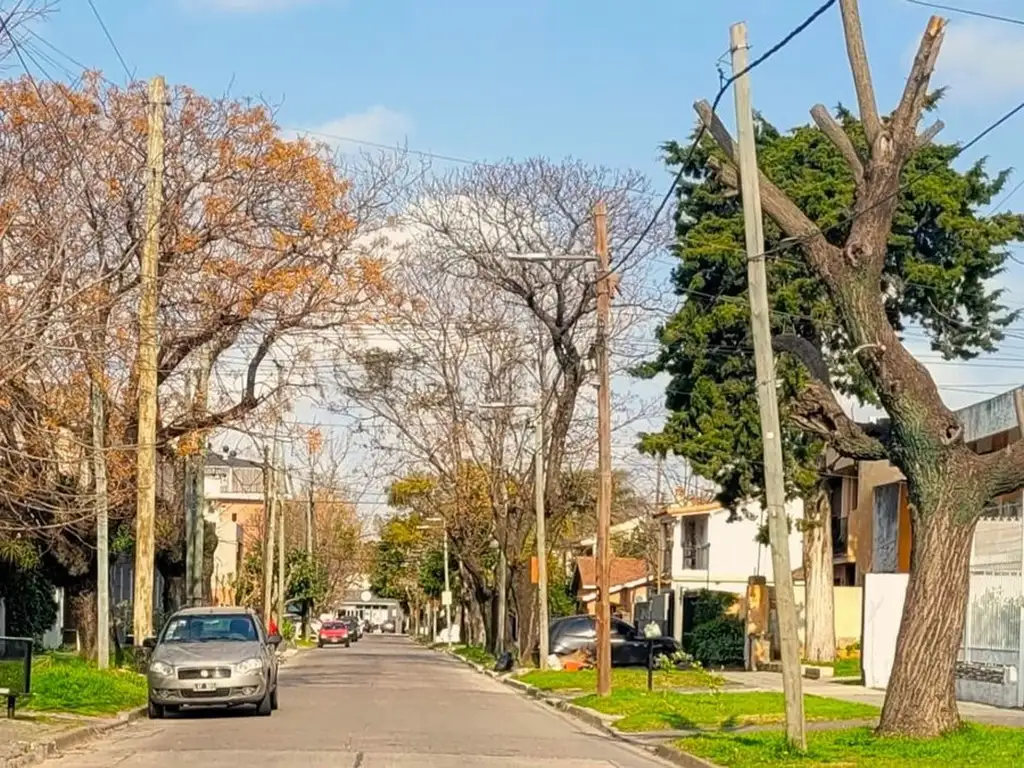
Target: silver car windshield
[{"x": 210, "y": 628}]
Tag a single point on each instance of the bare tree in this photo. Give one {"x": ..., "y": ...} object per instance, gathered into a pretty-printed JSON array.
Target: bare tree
[{"x": 949, "y": 484}]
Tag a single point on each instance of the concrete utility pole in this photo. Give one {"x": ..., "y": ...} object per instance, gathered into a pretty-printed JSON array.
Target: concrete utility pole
[
  {"x": 99, "y": 469},
  {"x": 446, "y": 598},
  {"x": 279, "y": 486},
  {"x": 539, "y": 488},
  {"x": 499, "y": 641},
  {"x": 657, "y": 510},
  {"x": 604, "y": 463},
  {"x": 196, "y": 464},
  {"x": 309, "y": 510},
  {"x": 145, "y": 505},
  {"x": 767, "y": 397},
  {"x": 269, "y": 526}
]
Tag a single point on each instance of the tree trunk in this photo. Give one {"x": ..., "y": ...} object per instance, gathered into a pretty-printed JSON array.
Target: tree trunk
[
  {"x": 819, "y": 610},
  {"x": 524, "y": 594},
  {"x": 83, "y": 609},
  {"x": 921, "y": 697}
]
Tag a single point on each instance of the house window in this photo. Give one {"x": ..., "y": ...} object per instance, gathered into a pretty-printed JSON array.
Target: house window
[
  {"x": 667, "y": 544},
  {"x": 695, "y": 543}
]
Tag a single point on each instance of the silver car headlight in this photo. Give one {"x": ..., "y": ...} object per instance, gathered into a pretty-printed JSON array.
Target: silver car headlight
[
  {"x": 249, "y": 666},
  {"x": 162, "y": 669}
]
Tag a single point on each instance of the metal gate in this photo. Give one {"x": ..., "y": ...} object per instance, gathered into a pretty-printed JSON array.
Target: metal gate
[{"x": 995, "y": 605}]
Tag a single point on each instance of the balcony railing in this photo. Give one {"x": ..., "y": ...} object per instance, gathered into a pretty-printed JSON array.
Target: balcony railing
[
  {"x": 695, "y": 558},
  {"x": 840, "y": 536}
]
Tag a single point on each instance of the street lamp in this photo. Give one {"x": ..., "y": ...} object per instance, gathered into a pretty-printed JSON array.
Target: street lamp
[
  {"x": 446, "y": 596},
  {"x": 606, "y": 285}
]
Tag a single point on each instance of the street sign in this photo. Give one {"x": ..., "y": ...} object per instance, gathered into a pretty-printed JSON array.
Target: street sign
[{"x": 446, "y": 598}]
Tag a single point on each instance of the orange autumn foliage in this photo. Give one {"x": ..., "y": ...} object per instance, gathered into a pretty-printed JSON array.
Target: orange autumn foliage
[{"x": 255, "y": 245}]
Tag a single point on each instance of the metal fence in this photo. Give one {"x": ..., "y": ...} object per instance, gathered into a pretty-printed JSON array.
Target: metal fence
[{"x": 992, "y": 627}]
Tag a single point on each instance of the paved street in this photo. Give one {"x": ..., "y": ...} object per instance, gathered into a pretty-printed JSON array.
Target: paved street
[{"x": 383, "y": 702}]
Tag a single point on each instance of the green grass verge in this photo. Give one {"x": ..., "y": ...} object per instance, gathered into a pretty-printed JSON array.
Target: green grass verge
[
  {"x": 68, "y": 684},
  {"x": 840, "y": 667},
  {"x": 474, "y": 653},
  {"x": 642, "y": 711},
  {"x": 972, "y": 745},
  {"x": 622, "y": 677}
]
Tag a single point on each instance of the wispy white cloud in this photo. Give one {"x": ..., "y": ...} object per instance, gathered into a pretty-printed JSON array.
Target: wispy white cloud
[
  {"x": 376, "y": 125},
  {"x": 981, "y": 61}
]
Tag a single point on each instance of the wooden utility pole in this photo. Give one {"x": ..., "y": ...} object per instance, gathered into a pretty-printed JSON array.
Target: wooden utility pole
[
  {"x": 604, "y": 461},
  {"x": 99, "y": 468},
  {"x": 145, "y": 504},
  {"x": 539, "y": 488},
  {"x": 767, "y": 397},
  {"x": 269, "y": 526}
]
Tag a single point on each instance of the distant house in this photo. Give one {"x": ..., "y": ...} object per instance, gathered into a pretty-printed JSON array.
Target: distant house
[{"x": 631, "y": 583}]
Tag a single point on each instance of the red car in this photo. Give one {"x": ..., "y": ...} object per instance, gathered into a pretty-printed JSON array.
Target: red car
[{"x": 333, "y": 633}]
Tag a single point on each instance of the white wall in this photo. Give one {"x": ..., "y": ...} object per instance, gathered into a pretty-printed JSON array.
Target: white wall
[{"x": 735, "y": 554}]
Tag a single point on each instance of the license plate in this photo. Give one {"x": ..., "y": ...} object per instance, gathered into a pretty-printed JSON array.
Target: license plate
[{"x": 206, "y": 685}]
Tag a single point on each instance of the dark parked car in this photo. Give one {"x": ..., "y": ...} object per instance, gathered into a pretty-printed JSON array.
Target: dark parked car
[
  {"x": 629, "y": 646},
  {"x": 355, "y": 629},
  {"x": 388, "y": 626}
]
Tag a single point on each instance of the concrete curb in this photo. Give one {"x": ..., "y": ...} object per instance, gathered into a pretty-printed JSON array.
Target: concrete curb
[
  {"x": 603, "y": 723},
  {"x": 37, "y": 753}
]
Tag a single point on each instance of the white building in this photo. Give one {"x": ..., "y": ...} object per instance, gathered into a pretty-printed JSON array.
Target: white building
[{"x": 702, "y": 549}]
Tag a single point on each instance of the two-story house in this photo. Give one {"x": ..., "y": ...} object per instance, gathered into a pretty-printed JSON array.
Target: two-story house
[
  {"x": 233, "y": 489},
  {"x": 704, "y": 546}
]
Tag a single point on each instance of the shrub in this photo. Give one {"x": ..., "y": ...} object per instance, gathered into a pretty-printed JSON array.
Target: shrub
[
  {"x": 29, "y": 601},
  {"x": 719, "y": 642},
  {"x": 287, "y": 630},
  {"x": 711, "y": 605},
  {"x": 677, "y": 660}
]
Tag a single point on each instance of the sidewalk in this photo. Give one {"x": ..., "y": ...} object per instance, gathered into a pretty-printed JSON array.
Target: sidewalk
[
  {"x": 31, "y": 737},
  {"x": 772, "y": 681}
]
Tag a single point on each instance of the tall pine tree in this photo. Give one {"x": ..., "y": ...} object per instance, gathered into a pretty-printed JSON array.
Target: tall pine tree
[{"x": 942, "y": 251}]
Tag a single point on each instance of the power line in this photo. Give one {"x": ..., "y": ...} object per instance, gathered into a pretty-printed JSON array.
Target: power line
[
  {"x": 110, "y": 39},
  {"x": 714, "y": 105},
  {"x": 966, "y": 12}
]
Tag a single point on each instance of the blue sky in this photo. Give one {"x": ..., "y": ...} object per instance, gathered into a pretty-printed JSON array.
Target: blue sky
[{"x": 600, "y": 80}]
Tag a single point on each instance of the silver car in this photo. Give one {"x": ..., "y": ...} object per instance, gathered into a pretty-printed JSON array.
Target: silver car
[{"x": 212, "y": 656}]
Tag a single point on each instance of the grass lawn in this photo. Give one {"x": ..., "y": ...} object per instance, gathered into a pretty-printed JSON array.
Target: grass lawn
[
  {"x": 622, "y": 677},
  {"x": 840, "y": 667},
  {"x": 474, "y": 653},
  {"x": 63, "y": 683},
  {"x": 972, "y": 745},
  {"x": 656, "y": 711}
]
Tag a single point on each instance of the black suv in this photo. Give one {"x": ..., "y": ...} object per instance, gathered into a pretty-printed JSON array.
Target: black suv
[{"x": 629, "y": 646}]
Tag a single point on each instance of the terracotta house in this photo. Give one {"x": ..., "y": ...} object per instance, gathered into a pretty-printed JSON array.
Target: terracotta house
[{"x": 631, "y": 583}]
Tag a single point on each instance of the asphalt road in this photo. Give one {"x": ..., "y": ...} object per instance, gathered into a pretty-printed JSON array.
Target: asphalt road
[{"x": 383, "y": 702}]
